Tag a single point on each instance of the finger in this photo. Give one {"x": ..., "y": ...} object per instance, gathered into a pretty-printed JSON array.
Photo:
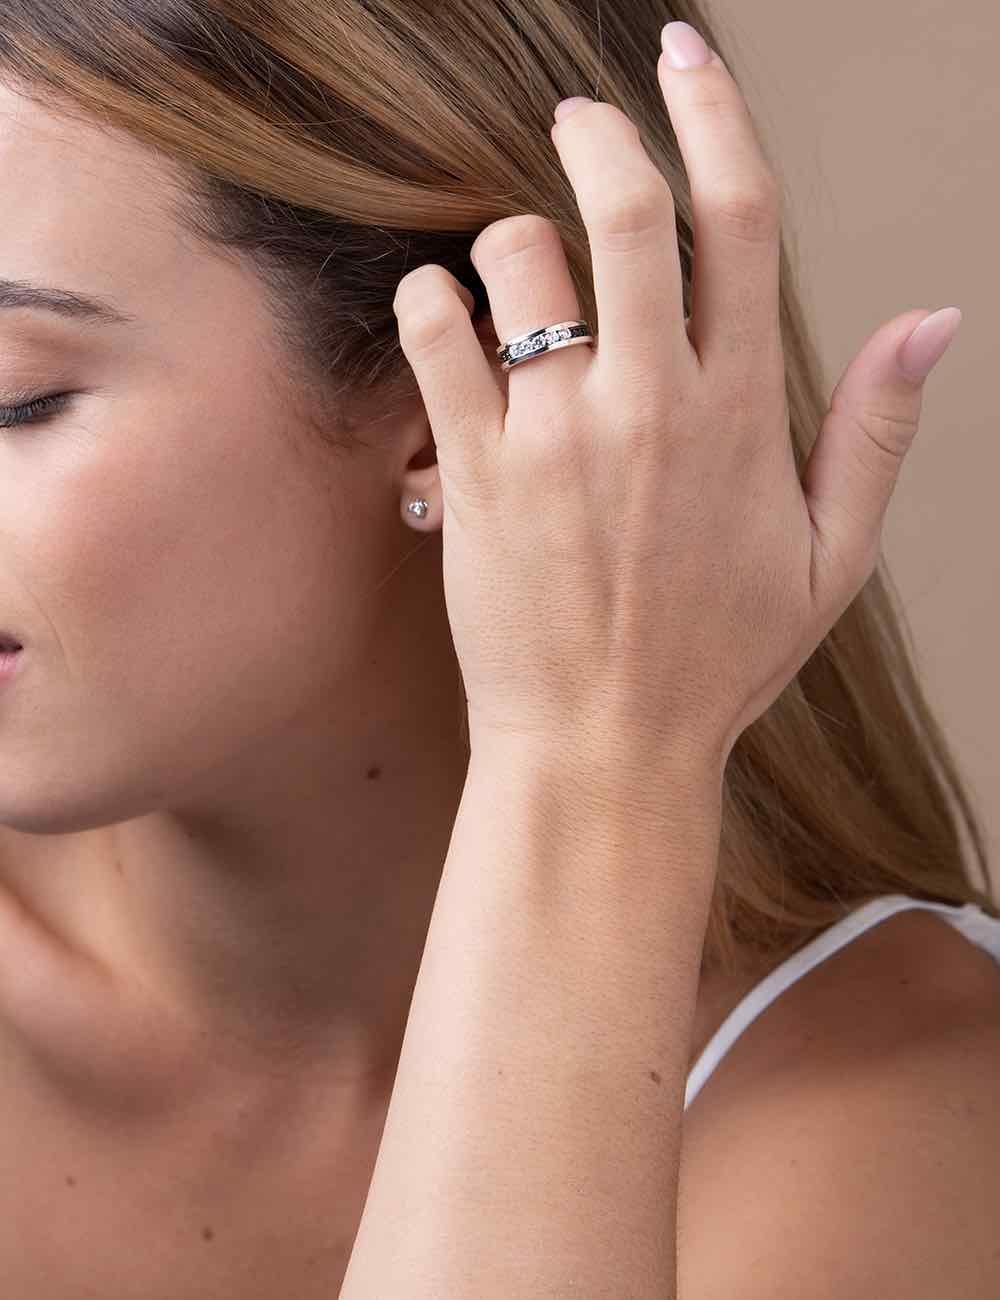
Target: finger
[
  {"x": 736, "y": 212},
  {"x": 465, "y": 405},
  {"x": 854, "y": 466},
  {"x": 522, "y": 262},
  {"x": 628, "y": 211}
]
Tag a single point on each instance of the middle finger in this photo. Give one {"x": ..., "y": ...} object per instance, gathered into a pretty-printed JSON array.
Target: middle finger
[{"x": 628, "y": 211}]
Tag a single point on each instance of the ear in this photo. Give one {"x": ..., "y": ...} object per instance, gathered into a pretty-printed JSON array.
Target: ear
[{"x": 421, "y": 480}]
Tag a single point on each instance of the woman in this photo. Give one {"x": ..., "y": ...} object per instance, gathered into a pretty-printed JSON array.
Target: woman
[{"x": 234, "y": 765}]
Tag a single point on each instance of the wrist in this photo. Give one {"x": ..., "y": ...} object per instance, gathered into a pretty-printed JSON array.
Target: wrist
[
  {"x": 623, "y": 835},
  {"x": 607, "y": 760},
  {"x": 598, "y": 787}
]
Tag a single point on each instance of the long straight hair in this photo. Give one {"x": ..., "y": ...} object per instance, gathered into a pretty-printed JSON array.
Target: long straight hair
[{"x": 338, "y": 144}]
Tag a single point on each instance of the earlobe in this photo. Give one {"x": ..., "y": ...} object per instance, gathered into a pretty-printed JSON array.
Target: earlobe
[
  {"x": 419, "y": 485},
  {"x": 420, "y": 507}
]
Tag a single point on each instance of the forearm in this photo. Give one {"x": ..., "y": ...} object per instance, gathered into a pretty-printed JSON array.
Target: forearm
[{"x": 532, "y": 1142}]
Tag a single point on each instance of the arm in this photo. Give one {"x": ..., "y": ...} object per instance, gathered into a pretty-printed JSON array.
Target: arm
[
  {"x": 531, "y": 1147},
  {"x": 532, "y": 1142}
]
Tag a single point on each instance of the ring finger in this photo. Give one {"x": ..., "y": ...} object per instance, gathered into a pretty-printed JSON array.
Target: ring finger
[{"x": 523, "y": 264}]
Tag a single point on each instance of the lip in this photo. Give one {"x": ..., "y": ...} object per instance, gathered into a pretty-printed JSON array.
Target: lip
[{"x": 9, "y": 642}]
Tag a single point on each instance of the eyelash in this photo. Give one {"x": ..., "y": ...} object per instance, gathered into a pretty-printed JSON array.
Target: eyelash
[{"x": 37, "y": 411}]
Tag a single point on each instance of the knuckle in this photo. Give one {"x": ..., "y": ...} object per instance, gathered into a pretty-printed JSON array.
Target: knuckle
[
  {"x": 426, "y": 331},
  {"x": 430, "y": 320},
  {"x": 424, "y": 291},
  {"x": 750, "y": 211},
  {"x": 714, "y": 96},
  {"x": 630, "y": 214},
  {"x": 887, "y": 434},
  {"x": 512, "y": 236},
  {"x": 425, "y": 276}
]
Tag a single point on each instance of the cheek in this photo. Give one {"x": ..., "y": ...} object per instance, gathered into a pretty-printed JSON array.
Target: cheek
[{"x": 181, "y": 574}]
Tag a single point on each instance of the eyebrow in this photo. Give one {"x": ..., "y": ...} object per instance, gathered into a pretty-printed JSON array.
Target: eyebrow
[{"x": 64, "y": 302}]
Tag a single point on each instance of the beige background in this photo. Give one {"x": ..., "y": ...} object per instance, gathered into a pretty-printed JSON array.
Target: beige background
[{"x": 884, "y": 121}]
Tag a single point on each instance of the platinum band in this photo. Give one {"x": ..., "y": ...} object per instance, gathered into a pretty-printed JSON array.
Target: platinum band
[{"x": 549, "y": 338}]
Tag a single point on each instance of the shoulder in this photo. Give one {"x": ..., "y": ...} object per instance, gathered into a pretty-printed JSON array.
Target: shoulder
[{"x": 854, "y": 1149}]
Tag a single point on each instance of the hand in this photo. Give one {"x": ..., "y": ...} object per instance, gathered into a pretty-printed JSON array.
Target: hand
[{"x": 627, "y": 543}]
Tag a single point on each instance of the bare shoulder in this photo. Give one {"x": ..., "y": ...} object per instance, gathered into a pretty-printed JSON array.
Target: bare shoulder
[{"x": 853, "y": 1149}]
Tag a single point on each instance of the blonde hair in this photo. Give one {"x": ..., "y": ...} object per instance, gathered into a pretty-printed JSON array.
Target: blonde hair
[{"x": 338, "y": 144}]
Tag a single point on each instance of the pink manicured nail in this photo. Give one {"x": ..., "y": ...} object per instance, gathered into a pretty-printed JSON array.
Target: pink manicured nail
[
  {"x": 567, "y": 106},
  {"x": 928, "y": 343},
  {"x": 684, "y": 46}
]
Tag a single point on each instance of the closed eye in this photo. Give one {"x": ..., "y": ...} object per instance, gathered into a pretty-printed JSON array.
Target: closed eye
[{"x": 36, "y": 411}]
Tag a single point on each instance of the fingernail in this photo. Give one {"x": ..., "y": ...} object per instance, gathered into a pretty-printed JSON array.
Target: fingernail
[
  {"x": 684, "y": 46},
  {"x": 567, "y": 106},
  {"x": 928, "y": 343}
]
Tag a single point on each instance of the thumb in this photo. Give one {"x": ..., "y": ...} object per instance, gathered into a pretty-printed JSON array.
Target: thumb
[{"x": 853, "y": 468}]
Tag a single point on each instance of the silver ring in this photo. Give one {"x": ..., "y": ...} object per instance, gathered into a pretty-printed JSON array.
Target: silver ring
[{"x": 549, "y": 338}]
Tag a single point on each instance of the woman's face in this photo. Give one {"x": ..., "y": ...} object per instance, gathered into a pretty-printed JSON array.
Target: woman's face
[{"x": 187, "y": 573}]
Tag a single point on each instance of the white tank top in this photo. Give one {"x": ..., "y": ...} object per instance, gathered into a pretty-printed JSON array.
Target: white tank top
[{"x": 969, "y": 919}]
